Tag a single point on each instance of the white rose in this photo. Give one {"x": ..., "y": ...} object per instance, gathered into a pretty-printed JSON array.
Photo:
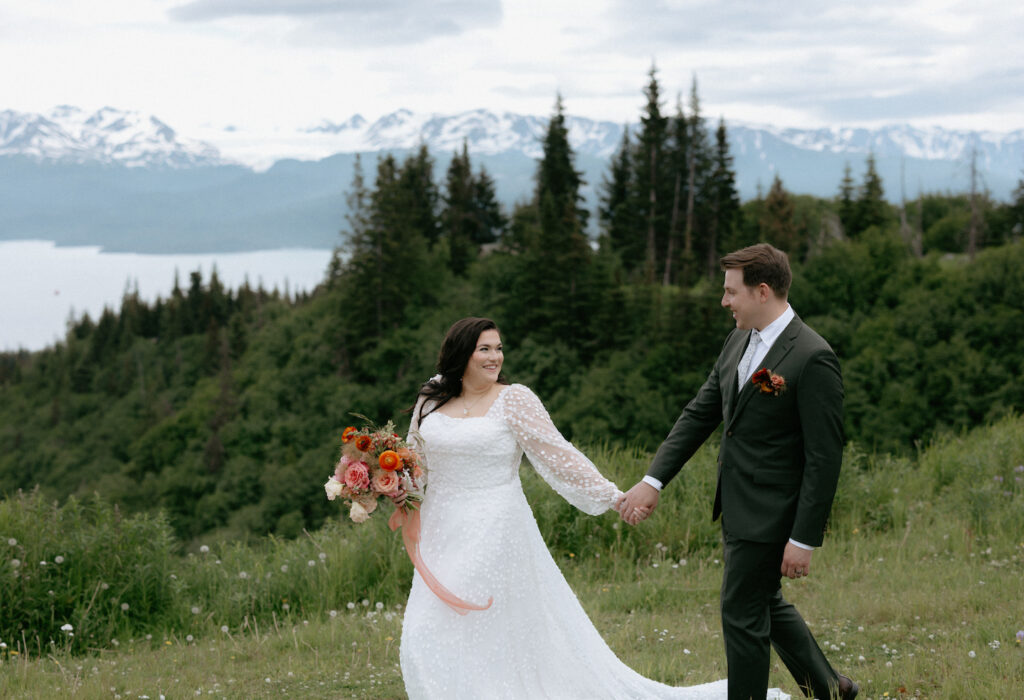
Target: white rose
[
  {"x": 333, "y": 488},
  {"x": 358, "y": 513}
]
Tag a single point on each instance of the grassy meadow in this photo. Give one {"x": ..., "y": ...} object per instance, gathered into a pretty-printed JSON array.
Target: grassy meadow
[{"x": 918, "y": 591}]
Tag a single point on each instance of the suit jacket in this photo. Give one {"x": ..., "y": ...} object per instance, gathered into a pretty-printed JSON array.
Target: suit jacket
[{"x": 778, "y": 466}]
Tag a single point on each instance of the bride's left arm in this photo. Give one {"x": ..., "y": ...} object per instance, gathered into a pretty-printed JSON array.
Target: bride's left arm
[{"x": 565, "y": 468}]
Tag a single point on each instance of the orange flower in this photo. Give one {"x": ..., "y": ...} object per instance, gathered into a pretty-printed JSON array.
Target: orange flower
[
  {"x": 348, "y": 434},
  {"x": 389, "y": 460},
  {"x": 363, "y": 443}
]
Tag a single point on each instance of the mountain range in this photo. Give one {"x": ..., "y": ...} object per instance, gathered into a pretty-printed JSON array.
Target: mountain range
[{"x": 128, "y": 181}]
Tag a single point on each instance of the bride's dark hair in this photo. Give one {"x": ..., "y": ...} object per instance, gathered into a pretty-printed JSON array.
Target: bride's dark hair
[{"x": 458, "y": 346}]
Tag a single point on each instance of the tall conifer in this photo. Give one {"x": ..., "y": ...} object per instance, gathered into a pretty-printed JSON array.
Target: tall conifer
[
  {"x": 723, "y": 200},
  {"x": 653, "y": 185}
]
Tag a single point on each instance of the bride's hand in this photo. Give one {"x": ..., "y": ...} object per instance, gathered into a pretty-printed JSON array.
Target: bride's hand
[{"x": 398, "y": 498}]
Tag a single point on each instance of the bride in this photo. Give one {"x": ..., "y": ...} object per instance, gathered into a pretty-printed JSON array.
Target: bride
[{"x": 525, "y": 634}]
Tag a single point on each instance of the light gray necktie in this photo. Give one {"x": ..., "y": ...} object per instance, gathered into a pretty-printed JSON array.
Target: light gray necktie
[{"x": 743, "y": 369}]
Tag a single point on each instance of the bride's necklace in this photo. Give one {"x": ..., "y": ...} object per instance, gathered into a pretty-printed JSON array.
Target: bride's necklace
[{"x": 467, "y": 407}]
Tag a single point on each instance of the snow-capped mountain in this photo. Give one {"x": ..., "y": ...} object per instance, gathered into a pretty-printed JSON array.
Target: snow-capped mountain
[
  {"x": 110, "y": 136},
  {"x": 485, "y": 133},
  {"x": 69, "y": 134},
  {"x": 128, "y": 181},
  {"x": 897, "y": 140}
]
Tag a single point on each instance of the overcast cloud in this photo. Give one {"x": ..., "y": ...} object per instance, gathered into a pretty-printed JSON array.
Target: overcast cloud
[
  {"x": 282, "y": 64},
  {"x": 356, "y": 22}
]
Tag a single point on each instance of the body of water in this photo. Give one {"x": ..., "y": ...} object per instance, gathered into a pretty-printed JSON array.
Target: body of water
[{"x": 42, "y": 284}]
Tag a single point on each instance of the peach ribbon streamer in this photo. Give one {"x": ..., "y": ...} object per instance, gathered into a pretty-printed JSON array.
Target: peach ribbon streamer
[{"x": 409, "y": 521}]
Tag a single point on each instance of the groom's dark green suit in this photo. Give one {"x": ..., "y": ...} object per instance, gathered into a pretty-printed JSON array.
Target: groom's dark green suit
[{"x": 777, "y": 473}]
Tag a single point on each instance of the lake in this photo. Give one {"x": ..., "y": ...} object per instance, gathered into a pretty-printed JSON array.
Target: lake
[{"x": 42, "y": 284}]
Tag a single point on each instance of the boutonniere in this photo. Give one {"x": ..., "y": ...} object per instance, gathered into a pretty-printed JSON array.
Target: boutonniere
[{"x": 769, "y": 382}]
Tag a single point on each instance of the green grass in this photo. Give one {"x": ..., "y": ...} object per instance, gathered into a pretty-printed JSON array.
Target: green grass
[{"x": 922, "y": 567}]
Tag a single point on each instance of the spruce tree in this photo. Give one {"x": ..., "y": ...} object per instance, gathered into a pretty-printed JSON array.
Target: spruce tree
[
  {"x": 457, "y": 217},
  {"x": 471, "y": 215},
  {"x": 699, "y": 159},
  {"x": 679, "y": 167},
  {"x": 723, "y": 200},
  {"x": 490, "y": 220},
  {"x": 653, "y": 187},
  {"x": 847, "y": 202},
  {"x": 388, "y": 266},
  {"x": 553, "y": 296},
  {"x": 616, "y": 213},
  {"x": 777, "y": 219},
  {"x": 872, "y": 209}
]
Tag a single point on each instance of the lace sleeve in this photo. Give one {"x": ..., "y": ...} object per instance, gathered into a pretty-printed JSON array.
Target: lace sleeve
[
  {"x": 416, "y": 440},
  {"x": 565, "y": 468}
]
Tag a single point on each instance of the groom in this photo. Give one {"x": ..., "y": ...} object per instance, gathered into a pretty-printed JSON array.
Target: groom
[{"x": 777, "y": 388}]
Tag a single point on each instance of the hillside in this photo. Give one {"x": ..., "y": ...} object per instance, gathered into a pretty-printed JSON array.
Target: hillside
[{"x": 223, "y": 408}]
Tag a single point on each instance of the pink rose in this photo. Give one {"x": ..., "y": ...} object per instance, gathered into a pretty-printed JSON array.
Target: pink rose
[
  {"x": 339, "y": 470},
  {"x": 385, "y": 482},
  {"x": 357, "y": 476},
  {"x": 778, "y": 381}
]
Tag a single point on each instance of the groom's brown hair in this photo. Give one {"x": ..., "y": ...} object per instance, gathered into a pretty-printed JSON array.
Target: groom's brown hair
[{"x": 761, "y": 263}]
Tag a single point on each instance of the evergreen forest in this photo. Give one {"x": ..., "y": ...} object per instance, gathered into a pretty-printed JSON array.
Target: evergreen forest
[{"x": 224, "y": 408}]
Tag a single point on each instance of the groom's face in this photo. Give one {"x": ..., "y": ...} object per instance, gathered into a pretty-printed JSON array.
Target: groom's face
[{"x": 743, "y": 301}]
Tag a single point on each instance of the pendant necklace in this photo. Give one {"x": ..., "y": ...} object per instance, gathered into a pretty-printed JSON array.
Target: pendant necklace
[{"x": 467, "y": 407}]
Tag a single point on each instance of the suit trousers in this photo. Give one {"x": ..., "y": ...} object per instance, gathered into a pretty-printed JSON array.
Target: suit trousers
[{"x": 755, "y": 617}]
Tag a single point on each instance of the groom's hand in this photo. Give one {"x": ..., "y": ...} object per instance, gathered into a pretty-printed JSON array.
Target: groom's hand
[
  {"x": 796, "y": 561},
  {"x": 638, "y": 503}
]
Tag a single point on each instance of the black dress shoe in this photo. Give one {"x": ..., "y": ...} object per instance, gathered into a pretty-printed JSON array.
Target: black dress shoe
[{"x": 847, "y": 688}]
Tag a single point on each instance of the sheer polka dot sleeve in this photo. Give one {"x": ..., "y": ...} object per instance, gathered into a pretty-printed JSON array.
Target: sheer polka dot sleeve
[
  {"x": 565, "y": 468},
  {"x": 416, "y": 440}
]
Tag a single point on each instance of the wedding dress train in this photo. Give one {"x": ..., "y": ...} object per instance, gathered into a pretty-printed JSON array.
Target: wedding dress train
[{"x": 480, "y": 539}]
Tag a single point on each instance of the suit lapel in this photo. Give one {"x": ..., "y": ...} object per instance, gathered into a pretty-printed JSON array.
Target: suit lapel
[
  {"x": 727, "y": 379},
  {"x": 780, "y": 348}
]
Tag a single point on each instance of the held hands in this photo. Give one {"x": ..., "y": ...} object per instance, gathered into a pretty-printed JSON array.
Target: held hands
[
  {"x": 398, "y": 497},
  {"x": 638, "y": 503}
]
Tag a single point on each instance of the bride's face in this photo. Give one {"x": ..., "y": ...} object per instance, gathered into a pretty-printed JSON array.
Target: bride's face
[{"x": 485, "y": 363}]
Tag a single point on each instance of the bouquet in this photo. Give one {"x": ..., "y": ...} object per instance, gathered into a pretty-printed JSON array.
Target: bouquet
[{"x": 374, "y": 462}]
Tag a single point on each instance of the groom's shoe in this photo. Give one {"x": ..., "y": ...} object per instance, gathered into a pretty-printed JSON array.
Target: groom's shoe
[{"x": 847, "y": 688}]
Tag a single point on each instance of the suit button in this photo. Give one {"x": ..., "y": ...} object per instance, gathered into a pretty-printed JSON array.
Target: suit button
[{"x": 729, "y": 434}]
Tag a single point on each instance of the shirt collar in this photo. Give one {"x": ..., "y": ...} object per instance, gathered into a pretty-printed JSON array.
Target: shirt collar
[{"x": 773, "y": 330}]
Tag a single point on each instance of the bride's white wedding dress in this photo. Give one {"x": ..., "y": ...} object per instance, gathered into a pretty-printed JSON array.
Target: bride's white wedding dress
[{"x": 480, "y": 539}]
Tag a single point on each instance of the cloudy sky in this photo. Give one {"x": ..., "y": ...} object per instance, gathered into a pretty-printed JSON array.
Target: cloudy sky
[{"x": 288, "y": 63}]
